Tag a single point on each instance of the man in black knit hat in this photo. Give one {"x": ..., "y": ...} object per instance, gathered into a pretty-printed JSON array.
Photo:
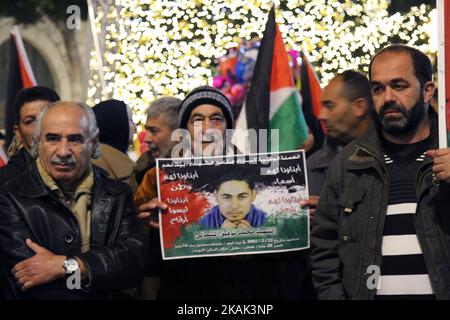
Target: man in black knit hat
[
  {"x": 205, "y": 113},
  {"x": 237, "y": 277}
]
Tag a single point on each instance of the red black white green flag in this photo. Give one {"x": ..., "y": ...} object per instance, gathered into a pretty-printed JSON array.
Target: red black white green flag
[
  {"x": 20, "y": 76},
  {"x": 273, "y": 101}
]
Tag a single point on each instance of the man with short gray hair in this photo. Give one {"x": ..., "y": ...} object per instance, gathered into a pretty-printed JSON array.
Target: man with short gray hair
[
  {"x": 161, "y": 121},
  {"x": 162, "y": 118},
  {"x": 67, "y": 232}
]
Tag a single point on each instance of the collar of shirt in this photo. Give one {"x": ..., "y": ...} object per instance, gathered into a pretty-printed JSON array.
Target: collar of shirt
[{"x": 85, "y": 185}]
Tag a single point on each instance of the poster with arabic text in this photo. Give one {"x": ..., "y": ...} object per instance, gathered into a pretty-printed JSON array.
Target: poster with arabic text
[{"x": 233, "y": 205}]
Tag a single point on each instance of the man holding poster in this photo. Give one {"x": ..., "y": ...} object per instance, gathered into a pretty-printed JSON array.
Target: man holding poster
[{"x": 382, "y": 226}]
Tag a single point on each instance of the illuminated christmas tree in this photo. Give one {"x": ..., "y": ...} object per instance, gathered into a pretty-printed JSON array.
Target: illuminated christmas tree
[{"x": 166, "y": 47}]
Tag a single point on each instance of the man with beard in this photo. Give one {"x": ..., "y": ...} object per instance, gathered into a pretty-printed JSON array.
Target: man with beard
[{"x": 381, "y": 228}]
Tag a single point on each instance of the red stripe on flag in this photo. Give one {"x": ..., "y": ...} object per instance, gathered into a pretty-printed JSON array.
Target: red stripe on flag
[
  {"x": 26, "y": 80},
  {"x": 316, "y": 90},
  {"x": 280, "y": 75}
]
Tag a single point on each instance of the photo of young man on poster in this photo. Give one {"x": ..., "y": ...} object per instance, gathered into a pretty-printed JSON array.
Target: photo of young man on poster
[{"x": 234, "y": 194}]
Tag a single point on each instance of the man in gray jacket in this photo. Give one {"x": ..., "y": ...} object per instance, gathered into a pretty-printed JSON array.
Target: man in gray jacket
[{"x": 381, "y": 229}]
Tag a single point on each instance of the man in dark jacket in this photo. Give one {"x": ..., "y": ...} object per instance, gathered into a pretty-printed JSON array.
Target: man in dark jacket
[
  {"x": 346, "y": 109},
  {"x": 262, "y": 276},
  {"x": 346, "y": 106},
  {"x": 65, "y": 231},
  {"x": 382, "y": 226},
  {"x": 27, "y": 105}
]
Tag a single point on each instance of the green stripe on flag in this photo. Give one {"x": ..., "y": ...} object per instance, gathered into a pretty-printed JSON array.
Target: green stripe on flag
[{"x": 290, "y": 122}]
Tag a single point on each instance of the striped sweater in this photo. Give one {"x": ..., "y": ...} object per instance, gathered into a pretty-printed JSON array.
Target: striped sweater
[{"x": 403, "y": 271}]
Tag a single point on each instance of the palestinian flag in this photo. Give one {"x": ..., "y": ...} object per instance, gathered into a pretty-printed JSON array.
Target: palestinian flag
[
  {"x": 273, "y": 101},
  {"x": 311, "y": 93},
  {"x": 20, "y": 76}
]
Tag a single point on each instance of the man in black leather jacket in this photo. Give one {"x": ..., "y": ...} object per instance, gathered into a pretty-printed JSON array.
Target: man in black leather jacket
[{"x": 67, "y": 232}]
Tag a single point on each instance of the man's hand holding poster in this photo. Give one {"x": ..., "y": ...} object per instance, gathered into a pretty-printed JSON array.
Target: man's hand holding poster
[{"x": 233, "y": 205}]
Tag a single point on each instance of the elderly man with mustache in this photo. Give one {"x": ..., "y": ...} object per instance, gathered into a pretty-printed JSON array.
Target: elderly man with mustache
[{"x": 67, "y": 232}]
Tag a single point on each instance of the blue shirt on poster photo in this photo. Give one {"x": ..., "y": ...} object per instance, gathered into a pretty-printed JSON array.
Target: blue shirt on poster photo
[{"x": 215, "y": 219}]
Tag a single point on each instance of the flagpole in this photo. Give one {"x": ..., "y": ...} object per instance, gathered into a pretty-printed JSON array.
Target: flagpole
[{"x": 441, "y": 75}]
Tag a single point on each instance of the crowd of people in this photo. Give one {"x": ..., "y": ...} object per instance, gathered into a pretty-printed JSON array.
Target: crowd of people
[{"x": 79, "y": 219}]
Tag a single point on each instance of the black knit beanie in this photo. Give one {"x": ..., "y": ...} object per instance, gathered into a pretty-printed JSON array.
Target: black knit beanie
[{"x": 205, "y": 95}]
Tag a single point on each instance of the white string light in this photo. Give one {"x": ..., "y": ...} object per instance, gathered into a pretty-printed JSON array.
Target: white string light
[{"x": 166, "y": 47}]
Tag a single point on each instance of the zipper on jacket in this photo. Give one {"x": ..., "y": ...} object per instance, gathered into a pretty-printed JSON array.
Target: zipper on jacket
[{"x": 421, "y": 176}]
